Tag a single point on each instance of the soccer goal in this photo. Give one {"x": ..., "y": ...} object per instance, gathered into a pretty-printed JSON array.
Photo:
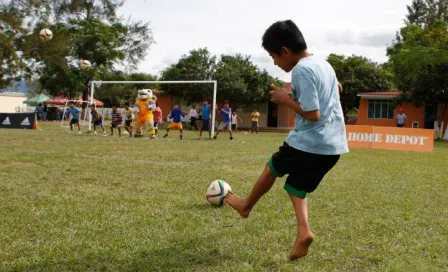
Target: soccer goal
[{"x": 214, "y": 82}]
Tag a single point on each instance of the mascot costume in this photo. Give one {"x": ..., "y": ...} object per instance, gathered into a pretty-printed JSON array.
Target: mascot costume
[{"x": 144, "y": 106}]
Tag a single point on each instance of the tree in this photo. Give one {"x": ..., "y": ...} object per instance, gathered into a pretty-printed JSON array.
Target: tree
[
  {"x": 239, "y": 80},
  {"x": 417, "y": 13},
  {"x": 419, "y": 61},
  {"x": 242, "y": 82},
  {"x": 424, "y": 13},
  {"x": 89, "y": 30},
  {"x": 11, "y": 27},
  {"x": 359, "y": 74},
  {"x": 198, "y": 65}
]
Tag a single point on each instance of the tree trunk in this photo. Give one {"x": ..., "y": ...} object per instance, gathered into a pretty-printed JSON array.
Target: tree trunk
[{"x": 445, "y": 107}]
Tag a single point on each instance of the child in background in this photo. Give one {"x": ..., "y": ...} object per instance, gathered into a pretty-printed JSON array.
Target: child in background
[
  {"x": 116, "y": 121},
  {"x": 129, "y": 114},
  {"x": 235, "y": 119},
  {"x": 255, "y": 115},
  {"x": 175, "y": 114},
  {"x": 157, "y": 113},
  {"x": 97, "y": 119},
  {"x": 74, "y": 112},
  {"x": 226, "y": 113},
  {"x": 206, "y": 119}
]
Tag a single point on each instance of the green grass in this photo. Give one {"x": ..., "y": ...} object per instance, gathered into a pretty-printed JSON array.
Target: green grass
[{"x": 85, "y": 203}]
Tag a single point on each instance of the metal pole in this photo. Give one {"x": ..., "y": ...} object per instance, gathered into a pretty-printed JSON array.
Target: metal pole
[
  {"x": 215, "y": 85},
  {"x": 92, "y": 90}
]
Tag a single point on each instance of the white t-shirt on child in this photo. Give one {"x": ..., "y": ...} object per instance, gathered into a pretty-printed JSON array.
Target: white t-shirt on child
[{"x": 234, "y": 117}]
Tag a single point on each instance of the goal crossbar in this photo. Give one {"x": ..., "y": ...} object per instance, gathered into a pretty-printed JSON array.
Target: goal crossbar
[{"x": 214, "y": 82}]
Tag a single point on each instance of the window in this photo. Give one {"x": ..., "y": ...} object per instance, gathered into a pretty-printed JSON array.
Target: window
[{"x": 380, "y": 109}]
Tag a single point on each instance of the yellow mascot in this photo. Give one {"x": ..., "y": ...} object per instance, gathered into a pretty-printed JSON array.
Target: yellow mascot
[{"x": 144, "y": 106}]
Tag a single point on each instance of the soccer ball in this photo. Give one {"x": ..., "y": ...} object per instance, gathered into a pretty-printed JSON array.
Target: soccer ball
[
  {"x": 217, "y": 191},
  {"x": 85, "y": 64},
  {"x": 45, "y": 34}
]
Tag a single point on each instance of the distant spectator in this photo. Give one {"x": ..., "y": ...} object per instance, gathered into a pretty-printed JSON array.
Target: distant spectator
[
  {"x": 401, "y": 118},
  {"x": 193, "y": 117},
  {"x": 39, "y": 111},
  {"x": 44, "y": 113}
]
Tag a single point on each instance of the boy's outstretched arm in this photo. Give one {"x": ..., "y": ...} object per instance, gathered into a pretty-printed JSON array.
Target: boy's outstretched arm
[{"x": 280, "y": 96}]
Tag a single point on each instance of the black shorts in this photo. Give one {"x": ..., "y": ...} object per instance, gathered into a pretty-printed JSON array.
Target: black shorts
[
  {"x": 74, "y": 121},
  {"x": 128, "y": 123},
  {"x": 254, "y": 124},
  {"x": 205, "y": 125},
  {"x": 156, "y": 125},
  {"x": 116, "y": 124},
  {"x": 400, "y": 125},
  {"x": 305, "y": 170},
  {"x": 233, "y": 126}
]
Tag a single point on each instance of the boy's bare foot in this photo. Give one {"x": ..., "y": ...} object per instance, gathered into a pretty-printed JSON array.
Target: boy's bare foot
[
  {"x": 238, "y": 204},
  {"x": 301, "y": 246}
]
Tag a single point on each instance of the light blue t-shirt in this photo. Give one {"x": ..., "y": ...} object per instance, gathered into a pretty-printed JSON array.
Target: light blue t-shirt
[
  {"x": 315, "y": 86},
  {"x": 74, "y": 112}
]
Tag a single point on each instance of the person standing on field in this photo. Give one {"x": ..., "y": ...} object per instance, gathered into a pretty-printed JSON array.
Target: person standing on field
[
  {"x": 193, "y": 117},
  {"x": 255, "y": 115}
]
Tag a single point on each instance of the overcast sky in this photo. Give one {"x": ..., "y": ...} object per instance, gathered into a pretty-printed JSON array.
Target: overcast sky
[{"x": 236, "y": 26}]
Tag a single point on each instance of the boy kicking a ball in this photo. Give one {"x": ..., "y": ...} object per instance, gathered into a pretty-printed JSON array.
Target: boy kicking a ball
[{"x": 318, "y": 139}]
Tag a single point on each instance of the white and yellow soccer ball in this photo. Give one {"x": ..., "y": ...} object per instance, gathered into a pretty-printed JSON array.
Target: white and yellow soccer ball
[
  {"x": 217, "y": 191},
  {"x": 46, "y": 34},
  {"x": 85, "y": 64}
]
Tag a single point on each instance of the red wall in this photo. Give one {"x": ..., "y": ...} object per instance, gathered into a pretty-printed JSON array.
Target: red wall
[
  {"x": 165, "y": 104},
  {"x": 284, "y": 116}
]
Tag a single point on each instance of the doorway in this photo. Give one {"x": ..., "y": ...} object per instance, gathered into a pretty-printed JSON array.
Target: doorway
[{"x": 272, "y": 114}]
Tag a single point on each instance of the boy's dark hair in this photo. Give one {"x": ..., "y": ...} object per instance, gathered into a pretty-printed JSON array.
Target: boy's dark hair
[
  {"x": 92, "y": 105},
  {"x": 174, "y": 104},
  {"x": 283, "y": 34},
  {"x": 255, "y": 108},
  {"x": 127, "y": 103},
  {"x": 71, "y": 102}
]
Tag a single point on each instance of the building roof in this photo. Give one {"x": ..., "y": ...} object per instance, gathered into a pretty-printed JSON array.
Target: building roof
[{"x": 379, "y": 95}]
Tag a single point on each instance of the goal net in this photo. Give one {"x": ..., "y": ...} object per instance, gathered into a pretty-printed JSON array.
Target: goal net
[{"x": 213, "y": 106}]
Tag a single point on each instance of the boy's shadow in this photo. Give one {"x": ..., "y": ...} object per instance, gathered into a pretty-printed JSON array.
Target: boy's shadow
[{"x": 195, "y": 253}]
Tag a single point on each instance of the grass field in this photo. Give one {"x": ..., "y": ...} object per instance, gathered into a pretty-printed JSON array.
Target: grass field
[{"x": 85, "y": 203}]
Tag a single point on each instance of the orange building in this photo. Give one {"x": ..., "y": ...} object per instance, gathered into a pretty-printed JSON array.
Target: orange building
[
  {"x": 376, "y": 109},
  {"x": 165, "y": 103}
]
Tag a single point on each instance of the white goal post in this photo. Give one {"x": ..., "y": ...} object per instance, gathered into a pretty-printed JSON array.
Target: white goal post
[{"x": 214, "y": 82}]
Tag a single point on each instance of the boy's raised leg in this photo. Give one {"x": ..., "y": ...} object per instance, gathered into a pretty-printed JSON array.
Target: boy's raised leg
[
  {"x": 304, "y": 235},
  {"x": 244, "y": 205}
]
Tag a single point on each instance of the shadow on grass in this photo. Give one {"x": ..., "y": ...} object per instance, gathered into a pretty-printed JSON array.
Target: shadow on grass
[
  {"x": 192, "y": 254},
  {"x": 195, "y": 254}
]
